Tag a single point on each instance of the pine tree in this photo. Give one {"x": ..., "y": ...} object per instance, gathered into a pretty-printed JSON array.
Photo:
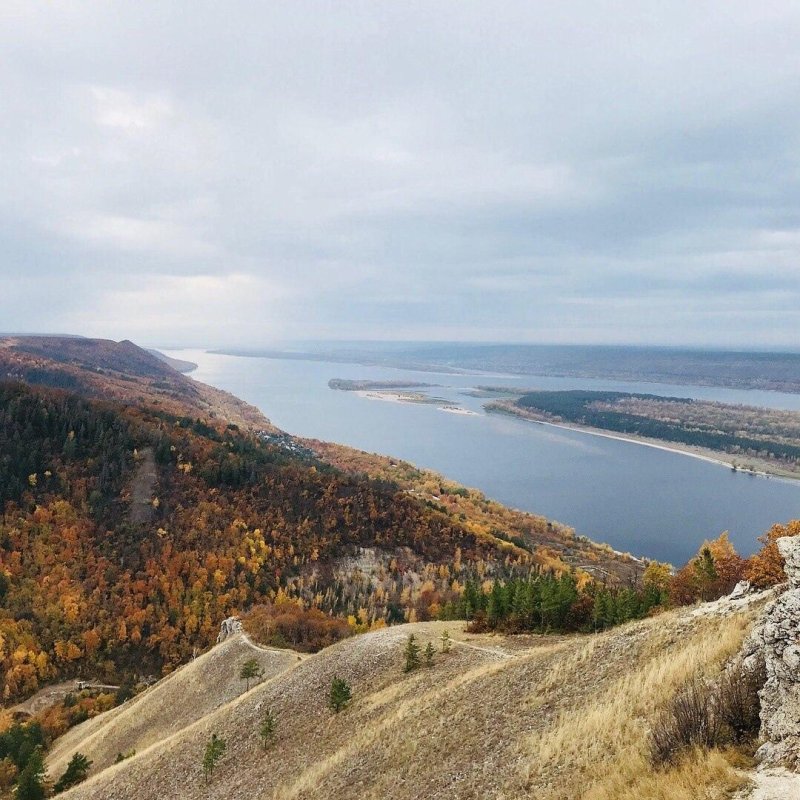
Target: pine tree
[
  {"x": 340, "y": 695},
  {"x": 429, "y": 651},
  {"x": 267, "y": 729},
  {"x": 30, "y": 784},
  {"x": 411, "y": 653},
  {"x": 446, "y": 642},
  {"x": 76, "y": 771},
  {"x": 250, "y": 669},
  {"x": 214, "y": 751},
  {"x": 496, "y": 610}
]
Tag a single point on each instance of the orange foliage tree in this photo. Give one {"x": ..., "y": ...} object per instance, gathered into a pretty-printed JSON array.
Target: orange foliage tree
[{"x": 765, "y": 568}]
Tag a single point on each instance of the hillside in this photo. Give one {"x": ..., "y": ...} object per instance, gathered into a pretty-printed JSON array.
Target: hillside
[
  {"x": 192, "y": 692},
  {"x": 120, "y": 371},
  {"x": 554, "y": 544},
  {"x": 128, "y": 535},
  {"x": 555, "y": 717},
  {"x": 133, "y": 525}
]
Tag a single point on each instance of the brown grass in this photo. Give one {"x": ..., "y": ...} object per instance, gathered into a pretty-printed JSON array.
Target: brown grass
[{"x": 545, "y": 717}]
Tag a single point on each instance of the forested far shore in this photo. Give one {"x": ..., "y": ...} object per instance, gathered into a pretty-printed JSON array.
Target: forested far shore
[{"x": 750, "y": 438}]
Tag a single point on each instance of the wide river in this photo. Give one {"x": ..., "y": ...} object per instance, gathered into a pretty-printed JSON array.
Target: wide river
[{"x": 638, "y": 499}]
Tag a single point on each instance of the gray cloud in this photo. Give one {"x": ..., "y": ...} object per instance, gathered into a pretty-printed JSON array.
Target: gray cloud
[{"x": 207, "y": 174}]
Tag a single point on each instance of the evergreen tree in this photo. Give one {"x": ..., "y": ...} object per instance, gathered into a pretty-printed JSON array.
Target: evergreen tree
[
  {"x": 30, "y": 784},
  {"x": 250, "y": 669},
  {"x": 496, "y": 610},
  {"x": 267, "y": 728},
  {"x": 473, "y": 599},
  {"x": 429, "y": 651},
  {"x": 446, "y": 642},
  {"x": 76, "y": 771},
  {"x": 214, "y": 751},
  {"x": 603, "y": 612},
  {"x": 340, "y": 695},
  {"x": 411, "y": 654}
]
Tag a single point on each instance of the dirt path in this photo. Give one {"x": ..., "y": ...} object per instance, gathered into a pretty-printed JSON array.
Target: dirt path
[
  {"x": 492, "y": 651},
  {"x": 247, "y": 640},
  {"x": 54, "y": 694},
  {"x": 142, "y": 488}
]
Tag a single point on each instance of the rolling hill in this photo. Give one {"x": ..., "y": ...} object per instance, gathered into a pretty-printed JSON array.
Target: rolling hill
[{"x": 551, "y": 717}]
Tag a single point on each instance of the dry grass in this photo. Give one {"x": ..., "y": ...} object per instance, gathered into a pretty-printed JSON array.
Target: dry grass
[
  {"x": 172, "y": 704},
  {"x": 604, "y": 743},
  {"x": 545, "y": 717}
]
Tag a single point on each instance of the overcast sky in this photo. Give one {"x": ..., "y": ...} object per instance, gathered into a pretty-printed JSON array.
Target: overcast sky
[{"x": 228, "y": 173}]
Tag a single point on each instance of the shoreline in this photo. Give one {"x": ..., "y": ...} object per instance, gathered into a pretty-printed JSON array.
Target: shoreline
[{"x": 670, "y": 447}]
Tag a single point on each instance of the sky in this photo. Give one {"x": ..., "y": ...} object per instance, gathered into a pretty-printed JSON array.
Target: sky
[{"x": 221, "y": 174}]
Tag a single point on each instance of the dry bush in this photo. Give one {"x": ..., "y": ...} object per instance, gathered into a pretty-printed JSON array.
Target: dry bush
[
  {"x": 689, "y": 720},
  {"x": 738, "y": 705},
  {"x": 708, "y": 715}
]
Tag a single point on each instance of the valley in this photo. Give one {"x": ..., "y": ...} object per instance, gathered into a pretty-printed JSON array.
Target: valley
[{"x": 642, "y": 500}]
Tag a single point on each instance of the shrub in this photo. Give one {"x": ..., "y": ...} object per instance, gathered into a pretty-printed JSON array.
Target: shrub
[
  {"x": 738, "y": 705},
  {"x": 709, "y": 715},
  {"x": 689, "y": 720},
  {"x": 76, "y": 771}
]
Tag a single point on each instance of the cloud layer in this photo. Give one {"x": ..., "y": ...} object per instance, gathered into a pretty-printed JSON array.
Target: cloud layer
[{"x": 205, "y": 173}]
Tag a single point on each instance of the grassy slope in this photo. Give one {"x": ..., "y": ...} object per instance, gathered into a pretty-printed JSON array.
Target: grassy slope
[
  {"x": 188, "y": 694},
  {"x": 550, "y": 717}
]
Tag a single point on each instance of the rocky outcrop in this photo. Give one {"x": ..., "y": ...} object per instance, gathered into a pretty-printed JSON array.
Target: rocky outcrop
[
  {"x": 777, "y": 640},
  {"x": 229, "y": 627}
]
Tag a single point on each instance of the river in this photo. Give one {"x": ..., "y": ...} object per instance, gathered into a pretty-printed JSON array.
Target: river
[{"x": 639, "y": 499}]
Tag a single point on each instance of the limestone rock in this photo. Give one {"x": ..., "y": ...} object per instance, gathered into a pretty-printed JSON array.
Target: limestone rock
[
  {"x": 229, "y": 627},
  {"x": 778, "y": 639},
  {"x": 740, "y": 590},
  {"x": 789, "y": 548}
]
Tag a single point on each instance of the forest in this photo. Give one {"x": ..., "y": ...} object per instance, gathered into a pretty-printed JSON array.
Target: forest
[{"x": 234, "y": 521}]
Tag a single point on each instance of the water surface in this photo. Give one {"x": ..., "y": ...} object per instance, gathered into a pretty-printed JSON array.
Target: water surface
[{"x": 638, "y": 499}]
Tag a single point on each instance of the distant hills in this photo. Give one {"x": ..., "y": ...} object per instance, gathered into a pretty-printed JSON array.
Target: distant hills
[{"x": 682, "y": 366}]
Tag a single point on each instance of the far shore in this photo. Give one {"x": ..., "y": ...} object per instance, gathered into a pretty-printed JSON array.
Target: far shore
[{"x": 711, "y": 456}]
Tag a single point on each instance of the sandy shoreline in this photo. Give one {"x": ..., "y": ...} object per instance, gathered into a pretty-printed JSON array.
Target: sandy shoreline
[
  {"x": 414, "y": 398},
  {"x": 464, "y": 412},
  {"x": 718, "y": 459}
]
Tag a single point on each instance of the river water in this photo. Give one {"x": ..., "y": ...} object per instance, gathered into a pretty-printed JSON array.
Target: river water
[{"x": 638, "y": 499}]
